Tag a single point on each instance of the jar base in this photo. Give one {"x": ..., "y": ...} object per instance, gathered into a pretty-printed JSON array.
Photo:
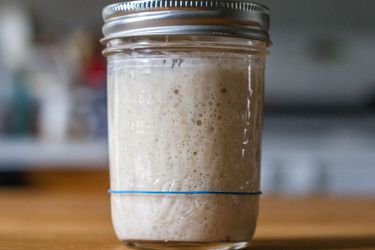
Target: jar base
[{"x": 161, "y": 245}]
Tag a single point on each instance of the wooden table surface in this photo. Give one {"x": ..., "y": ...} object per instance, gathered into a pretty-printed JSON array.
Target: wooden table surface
[{"x": 71, "y": 211}]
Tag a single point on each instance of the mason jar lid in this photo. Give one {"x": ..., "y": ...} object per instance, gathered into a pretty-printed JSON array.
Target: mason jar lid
[{"x": 232, "y": 18}]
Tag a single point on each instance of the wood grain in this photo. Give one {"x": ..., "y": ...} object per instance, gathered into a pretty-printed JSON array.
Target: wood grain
[{"x": 71, "y": 211}]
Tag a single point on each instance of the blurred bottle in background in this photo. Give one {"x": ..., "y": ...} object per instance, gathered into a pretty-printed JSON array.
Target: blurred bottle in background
[
  {"x": 52, "y": 82},
  {"x": 17, "y": 104}
]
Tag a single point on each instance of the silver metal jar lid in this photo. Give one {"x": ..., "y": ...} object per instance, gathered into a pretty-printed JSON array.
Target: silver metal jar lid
[{"x": 233, "y": 18}]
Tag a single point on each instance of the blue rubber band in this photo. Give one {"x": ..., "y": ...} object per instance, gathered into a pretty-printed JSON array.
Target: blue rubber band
[{"x": 183, "y": 192}]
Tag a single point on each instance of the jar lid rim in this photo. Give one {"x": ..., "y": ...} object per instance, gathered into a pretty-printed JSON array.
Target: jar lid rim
[
  {"x": 123, "y": 8},
  {"x": 238, "y": 18}
]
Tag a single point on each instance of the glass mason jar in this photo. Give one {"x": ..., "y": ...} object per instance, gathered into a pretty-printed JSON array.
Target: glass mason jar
[{"x": 185, "y": 88}]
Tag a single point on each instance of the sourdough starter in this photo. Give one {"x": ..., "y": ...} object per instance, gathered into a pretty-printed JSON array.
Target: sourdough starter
[{"x": 184, "y": 124}]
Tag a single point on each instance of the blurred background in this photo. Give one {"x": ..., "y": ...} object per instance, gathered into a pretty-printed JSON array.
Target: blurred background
[{"x": 320, "y": 108}]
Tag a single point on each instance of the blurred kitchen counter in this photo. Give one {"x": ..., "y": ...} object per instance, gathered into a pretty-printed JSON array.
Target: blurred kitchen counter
[{"x": 62, "y": 210}]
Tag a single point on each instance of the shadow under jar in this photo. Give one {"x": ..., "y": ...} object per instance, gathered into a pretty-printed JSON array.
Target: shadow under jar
[{"x": 185, "y": 88}]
